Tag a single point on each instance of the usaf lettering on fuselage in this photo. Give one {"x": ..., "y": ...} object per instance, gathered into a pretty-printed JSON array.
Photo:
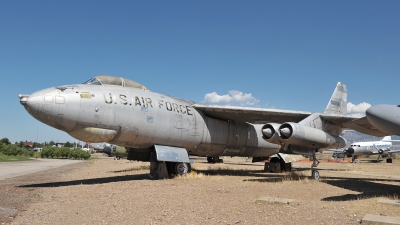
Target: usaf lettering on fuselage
[{"x": 147, "y": 102}]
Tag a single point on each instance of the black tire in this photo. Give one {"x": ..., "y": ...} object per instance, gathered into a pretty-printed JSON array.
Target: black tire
[
  {"x": 315, "y": 174},
  {"x": 118, "y": 158},
  {"x": 178, "y": 168},
  {"x": 275, "y": 159},
  {"x": 212, "y": 159}
]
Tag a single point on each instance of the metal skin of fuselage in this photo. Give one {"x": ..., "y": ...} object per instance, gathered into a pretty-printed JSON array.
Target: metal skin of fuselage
[
  {"x": 139, "y": 119},
  {"x": 385, "y": 118}
]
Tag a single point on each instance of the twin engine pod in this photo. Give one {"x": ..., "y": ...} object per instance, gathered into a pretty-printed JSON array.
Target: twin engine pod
[{"x": 297, "y": 134}]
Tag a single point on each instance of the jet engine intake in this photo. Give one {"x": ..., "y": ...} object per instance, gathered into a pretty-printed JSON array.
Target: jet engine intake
[{"x": 296, "y": 134}]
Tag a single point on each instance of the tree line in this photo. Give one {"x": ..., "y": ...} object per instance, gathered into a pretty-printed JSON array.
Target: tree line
[{"x": 6, "y": 148}]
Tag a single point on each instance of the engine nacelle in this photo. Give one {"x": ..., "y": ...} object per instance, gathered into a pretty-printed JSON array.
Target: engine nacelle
[
  {"x": 296, "y": 134},
  {"x": 270, "y": 133}
]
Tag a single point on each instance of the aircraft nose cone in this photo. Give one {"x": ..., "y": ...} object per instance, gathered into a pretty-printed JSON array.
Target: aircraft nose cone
[
  {"x": 285, "y": 132},
  {"x": 33, "y": 103},
  {"x": 49, "y": 107},
  {"x": 385, "y": 118},
  {"x": 107, "y": 150},
  {"x": 267, "y": 132},
  {"x": 23, "y": 99},
  {"x": 350, "y": 151}
]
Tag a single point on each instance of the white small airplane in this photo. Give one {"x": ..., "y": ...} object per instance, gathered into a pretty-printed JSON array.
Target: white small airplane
[{"x": 381, "y": 148}]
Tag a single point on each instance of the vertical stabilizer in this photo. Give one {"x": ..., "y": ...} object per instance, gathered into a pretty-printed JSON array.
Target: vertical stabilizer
[
  {"x": 387, "y": 138},
  {"x": 338, "y": 102}
]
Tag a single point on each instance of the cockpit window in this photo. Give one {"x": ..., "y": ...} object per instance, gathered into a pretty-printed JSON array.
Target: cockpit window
[
  {"x": 116, "y": 81},
  {"x": 93, "y": 81},
  {"x": 132, "y": 84},
  {"x": 109, "y": 80}
]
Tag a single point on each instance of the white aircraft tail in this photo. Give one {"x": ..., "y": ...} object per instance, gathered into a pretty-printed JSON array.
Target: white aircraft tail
[
  {"x": 387, "y": 138},
  {"x": 338, "y": 103}
]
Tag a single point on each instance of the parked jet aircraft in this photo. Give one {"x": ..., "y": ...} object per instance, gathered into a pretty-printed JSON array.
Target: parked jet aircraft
[
  {"x": 380, "y": 120},
  {"x": 381, "y": 148},
  {"x": 123, "y": 112}
]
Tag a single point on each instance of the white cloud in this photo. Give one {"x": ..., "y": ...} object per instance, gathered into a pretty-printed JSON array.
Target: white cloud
[
  {"x": 357, "y": 110},
  {"x": 232, "y": 98}
]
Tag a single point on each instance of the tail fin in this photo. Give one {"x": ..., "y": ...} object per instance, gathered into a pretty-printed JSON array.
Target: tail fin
[
  {"x": 387, "y": 138},
  {"x": 338, "y": 102}
]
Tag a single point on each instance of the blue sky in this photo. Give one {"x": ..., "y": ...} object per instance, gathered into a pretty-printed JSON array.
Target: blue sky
[{"x": 280, "y": 54}]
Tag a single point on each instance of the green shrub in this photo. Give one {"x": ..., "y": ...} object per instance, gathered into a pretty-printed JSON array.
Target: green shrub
[
  {"x": 46, "y": 152},
  {"x": 73, "y": 154},
  {"x": 85, "y": 155},
  {"x": 56, "y": 152},
  {"x": 64, "y": 152},
  {"x": 36, "y": 155},
  {"x": 12, "y": 150}
]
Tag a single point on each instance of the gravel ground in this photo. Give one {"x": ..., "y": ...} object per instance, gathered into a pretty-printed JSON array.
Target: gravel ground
[{"x": 106, "y": 191}]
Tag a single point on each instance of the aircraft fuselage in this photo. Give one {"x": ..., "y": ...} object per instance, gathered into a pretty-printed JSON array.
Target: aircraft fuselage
[{"x": 138, "y": 118}]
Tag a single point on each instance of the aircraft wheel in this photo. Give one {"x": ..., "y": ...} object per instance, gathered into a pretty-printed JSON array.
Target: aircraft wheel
[
  {"x": 212, "y": 159},
  {"x": 275, "y": 159},
  {"x": 388, "y": 160},
  {"x": 315, "y": 174},
  {"x": 118, "y": 158},
  {"x": 181, "y": 168}
]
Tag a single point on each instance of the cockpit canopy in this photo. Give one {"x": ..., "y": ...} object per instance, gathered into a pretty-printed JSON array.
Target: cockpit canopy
[{"x": 115, "y": 81}]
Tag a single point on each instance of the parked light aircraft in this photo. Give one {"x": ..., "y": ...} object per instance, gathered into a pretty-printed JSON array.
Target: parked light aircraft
[
  {"x": 123, "y": 112},
  {"x": 381, "y": 148},
  {"x": 380, "y": 120}
]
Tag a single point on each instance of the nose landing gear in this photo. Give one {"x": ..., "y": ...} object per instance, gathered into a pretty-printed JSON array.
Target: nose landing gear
[{"x": 314, "y": 172}]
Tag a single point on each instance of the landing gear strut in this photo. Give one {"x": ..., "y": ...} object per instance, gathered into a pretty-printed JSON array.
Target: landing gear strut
[{"x": 314, "y": 172}]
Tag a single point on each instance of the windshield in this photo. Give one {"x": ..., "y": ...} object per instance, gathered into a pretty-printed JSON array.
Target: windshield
[{"x": 115, "y": 81}]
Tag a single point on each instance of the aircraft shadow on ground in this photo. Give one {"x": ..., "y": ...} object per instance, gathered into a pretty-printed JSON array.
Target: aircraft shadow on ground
[
  {"x": 264, "y": 177},
  {"x": 231, "y": 163},
  {"x": 368, "y": 187},
  {"x": 102, "y": 180}
]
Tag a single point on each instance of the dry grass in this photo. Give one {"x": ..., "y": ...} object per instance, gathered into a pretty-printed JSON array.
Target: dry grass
[
  {"x": 193, "y": 175},
  {"x": 393, "y": 197},
  {"x": 296, "y": 176}
]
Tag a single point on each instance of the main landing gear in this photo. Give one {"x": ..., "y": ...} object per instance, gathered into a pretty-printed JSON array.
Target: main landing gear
[
  {"x": 314, "y": 172},
  {"x": 212, "y": 159},
  {"x": 178, "y": 168}
]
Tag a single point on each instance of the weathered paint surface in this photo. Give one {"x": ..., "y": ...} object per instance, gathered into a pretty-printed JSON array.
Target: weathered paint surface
[{"x": 138, "y": 118}]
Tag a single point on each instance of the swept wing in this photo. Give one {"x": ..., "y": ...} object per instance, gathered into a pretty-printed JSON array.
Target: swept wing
[
  {"x": 263, "y": 115},
  {"x": 364, "y": 126}
]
